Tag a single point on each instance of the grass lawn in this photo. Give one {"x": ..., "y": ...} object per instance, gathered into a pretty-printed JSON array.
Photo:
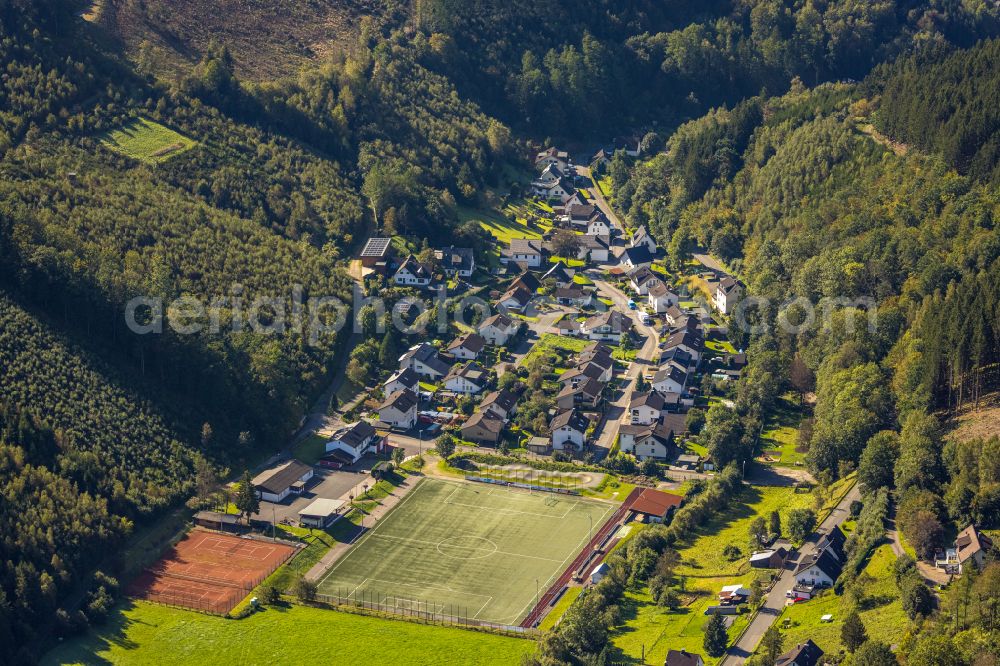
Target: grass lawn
[
  {"x": 503, "y": 229},
  {"x": 565, "y": 601},
  {"x": 550, "y": 342},
  {"x": 604, "y": 185},
  {"x": 705, "y": 570},
  {"x": 147, "y": 141},
  {"x": 611, "y": 488},
  {"x": 582, "y": 279},
  {"x": 782, "y": 433},
  {"x": 142, "y": 633},
  {"x": 724, "y": 347},
  {"x": 880, "y": 607},
  {"x": 474, "y": 547},
  {"x": 311, "y": 449}
]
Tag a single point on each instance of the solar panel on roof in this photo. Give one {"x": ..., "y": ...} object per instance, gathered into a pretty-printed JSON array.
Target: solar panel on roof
[{"x": 375, "y": 247}]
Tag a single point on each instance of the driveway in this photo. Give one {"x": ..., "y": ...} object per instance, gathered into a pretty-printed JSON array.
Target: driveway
[
  {"x": 644, "y": 358},
  {"x": 775, "y": 602}
]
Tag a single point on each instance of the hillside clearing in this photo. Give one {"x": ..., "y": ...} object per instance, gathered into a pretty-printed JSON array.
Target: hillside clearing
[{"x": 147, "y": 141}]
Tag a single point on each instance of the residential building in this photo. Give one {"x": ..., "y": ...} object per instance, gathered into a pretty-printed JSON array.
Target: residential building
[
  {"x": 560, "y": 274},
  {"x": 499, "y": 329},
  {"x": 683, "y": 658},
  {"x": 596, "y": 248},
  {"x": 524, "y": 250},
  {"x": 402, "y": 380},
  {"x": 355, "y": 441},
  {"x": 424, "y": 360},
  {"x": 674, "y": 315},
  {"x": 574, "y": 296},
  {"x": 274, "y": 485},
  {"x": 502, "y": 403},
  {"x": 483, "y": 427},
  {"x": 583, "y": 373},
  {"x": 569, "y": 430},
  {"x": 399, "y": 410},
  {"x": 550, "y": 174},
  {"x": 727, "y": 294},
  {"x": 552, "y": 156},
  {"x": 559, "y": 189},
  {"x": 516, "y": 299},
  {"x": 467, "y": 346},
  {"x": 457, "y": 261},
  {"x": 412, "y": 273},
  {"x": 468, "y": 379},
  {"x": 642, "y": 278},
  {"x": 822, "y": 569},
  {"x": 655, "y": 440},
  {"x": 670, "y": 379},
  {"x": 607, "y": 326},
  {"x": 645, "y": 408},
  {"x": 971, "y": 546},
  {"x": 636, "y": 257},
  {"x": 598, "y": 226},
  {"x": 661, "y": 297},
  {"x": 686, "y": 341},
  {"x": 803, "y": 654},
  {"x": 641, "y": 238},
  {"x": 769, "y": 559},
  {"x": 585, "y": 395}
]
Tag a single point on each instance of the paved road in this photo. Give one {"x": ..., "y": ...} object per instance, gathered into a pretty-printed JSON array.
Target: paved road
[{"x": 772, "y": 608}]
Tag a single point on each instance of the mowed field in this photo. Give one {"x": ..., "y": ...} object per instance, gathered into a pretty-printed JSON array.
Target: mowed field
[
  {"x": 145, "y": 634},
  {"x": 471, "y": 549},
  {"x": 147, "y": 141}
]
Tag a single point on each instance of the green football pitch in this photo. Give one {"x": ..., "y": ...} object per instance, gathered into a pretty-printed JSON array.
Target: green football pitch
[{"x": 474, "y": 550}]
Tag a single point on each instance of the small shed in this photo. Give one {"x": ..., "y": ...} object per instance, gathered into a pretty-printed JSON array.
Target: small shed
[
  {"x": 321, "y": 513},
  {"x": 598, "y": 573},
  {"x": 769, "y": 559},
  {"x": 539, "y": 445}
]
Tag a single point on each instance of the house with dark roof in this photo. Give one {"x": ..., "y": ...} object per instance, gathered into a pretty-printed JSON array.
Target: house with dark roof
[
  {"x": 460, "y": 261},
  {"x": 641, "y": 238},
  {"x": 524, "y": 250},
  {"x": 274, "y": 485},
  {"x": 683, "y": 658},
  {"x": 467, "y": 346},
  {"x": 468, "y": 379},
  {"x": 354, "y": 440},
  {"x": 499, "y": 329},
  {"x": 483, "y": 427},
  {"x": 821, "y": 569},
  {"x": 560, "y": 274},
  {"x": 399, "y": 410},
  {"x": 727, "y": 293},
  {"x": 671, "y": 378},
  {"x": 599, "y": 226},
  {"x": 516, "y": 299},
  {"x": 583, "y": 373},
  {"x": 689, "y": 342},
  {"x": 642, "y": 278},
  {"x": 674, "y": 315},
  {"x": 503, "y": 403},
  {"x": 550, "y": 174},
  {"x": 803, "y": 654},
  {"x": 610, "y": 325},
  {"x": 569, "y": 430},
  {"x": 656, "y": 505},
  {"x": 645, "y": 408},
  {"x": 412, "y": 273},
  {"x": 636, "y": 257},
  {"x": 558, "y": 189},
  {"x": 655, "y": 440},
  {"x": 661, "y": 297},
  {"x": 574, "y": 296},
  {"x": 424, "y": 360},
  {"x": 596, "y": 247},
  {"x": 403, "y": 380},
  {"x": 559, "y": 158},
  {"x": 585, "y": 395}
]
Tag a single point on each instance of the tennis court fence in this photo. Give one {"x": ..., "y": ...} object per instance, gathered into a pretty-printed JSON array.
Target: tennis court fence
[{"x": 416, "y": 610}]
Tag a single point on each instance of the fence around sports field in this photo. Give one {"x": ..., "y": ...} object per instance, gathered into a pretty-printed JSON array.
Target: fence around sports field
[
  {"x": 523, "y": 485},
  {"x": 411, "y": 609},
  {"x": 582, "y": 561}
]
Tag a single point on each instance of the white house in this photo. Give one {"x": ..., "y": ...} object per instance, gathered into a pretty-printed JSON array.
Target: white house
[
  {"x": 412, "y": 273},
  {"x": 399, "y": 410},
  {"x": 670, "y": 379},
  {"x": 644, "y": 442},
  {"x": 524, "y": 250},
  {"x": 569, "y": 430},
  {"x": 596, "y": 247},
  {"x": 499, "y": 329},
  {"x": 467, "y": 346},
  {"x": 574, "y": 295},
  {"x": 552, "y": 156},
  {"x": 402, "y": 380},
  {"x": 598, "y": 226},
  {"x": 686, "y": 341},
  {"x": 424, "y": 360},
  {"x": 727, "y": 294},
  {"x": 641, "y": 279},
  {"x": 354, "y": 440},
  {"x": 467, "y": 379},
  {"x": 635, "y": 257},
  {"x": 661, "y": 297},
  {"x": 274, "y": 485},
  {"x": 610, "y": 325},
  {"x": 641, "y": 238},
  {"x": 558, "y": 190},
  {"x": 551, "y": 174},
  {"x": 516, "y": 299},
  {"x": 598, "y": 573},
  {"x": 502, "y": 403},
  {"x": 819, "y": 570},
  {"x": 645, "y": 408}
]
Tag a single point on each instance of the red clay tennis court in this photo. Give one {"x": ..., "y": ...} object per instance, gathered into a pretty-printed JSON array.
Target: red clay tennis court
[{"x": 209, "y": 571}]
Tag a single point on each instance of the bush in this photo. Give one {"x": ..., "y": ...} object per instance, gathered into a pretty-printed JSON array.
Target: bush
[
  {"x": 270, "y": 595},
  {"x": 305, "y": 590},
  {"x": 732, "y": 553}
]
